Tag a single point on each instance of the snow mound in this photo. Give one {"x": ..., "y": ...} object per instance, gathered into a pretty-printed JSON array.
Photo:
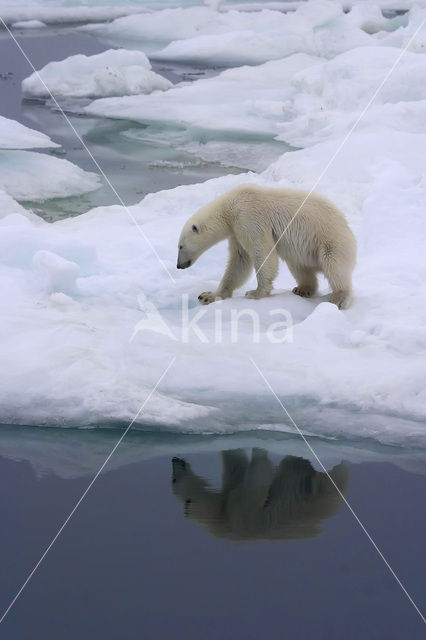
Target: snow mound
[
  {"x": 59, "y": 274},
  {"x": 14, "y": 135},
  {"x": 111, "y": 73},
  {"x": 45, "y": 176}
]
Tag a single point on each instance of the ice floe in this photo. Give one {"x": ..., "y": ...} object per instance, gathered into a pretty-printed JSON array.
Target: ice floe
[
  {"x": 313, "y": 100},
  {"x": 36, "y": 11},
  {"x": 203, "y": 36},
  {"x": 14, "y": 135},
  {"x": 29, "y": 24},
  {"x": 79, "y": 346},
  {"x": 26, "y": 175},
  {"x": 111, "y": 73},
  {"x": 368, "y": 360},
  {"x": 246, "y": 100}
]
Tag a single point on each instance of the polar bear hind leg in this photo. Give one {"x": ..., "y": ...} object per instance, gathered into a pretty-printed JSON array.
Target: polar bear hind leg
[
  {"x": 306, "y": 278},
  {"x": 338, "y": 271}
]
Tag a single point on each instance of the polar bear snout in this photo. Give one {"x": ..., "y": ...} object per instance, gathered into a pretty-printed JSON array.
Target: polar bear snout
[
  {"x": 183, "y": 261},
  {"x": 183, "y": 265}
]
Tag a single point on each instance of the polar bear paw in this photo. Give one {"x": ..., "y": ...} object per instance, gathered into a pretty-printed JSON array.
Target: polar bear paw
[
  {"x": 207, "y": 297},
  {"x": 341, "y": 298},
  {"x": 304, "y": 291}
]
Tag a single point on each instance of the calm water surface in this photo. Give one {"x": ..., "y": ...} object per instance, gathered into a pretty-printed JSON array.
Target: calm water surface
[{"x": 243, "y": 544}]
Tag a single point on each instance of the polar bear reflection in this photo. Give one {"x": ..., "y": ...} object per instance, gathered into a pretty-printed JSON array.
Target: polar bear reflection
[{"x": 258, "y": 500}]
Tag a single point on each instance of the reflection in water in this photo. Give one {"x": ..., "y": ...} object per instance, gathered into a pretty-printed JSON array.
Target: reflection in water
[{"x": 259, "y": 500}]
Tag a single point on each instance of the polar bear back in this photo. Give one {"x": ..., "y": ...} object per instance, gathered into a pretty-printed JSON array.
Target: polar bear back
[{"x": 301, "y": 222}]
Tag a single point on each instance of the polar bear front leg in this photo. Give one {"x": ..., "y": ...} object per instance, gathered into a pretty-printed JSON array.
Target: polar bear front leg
[
  {"x": 236, "y": 273},
  {"x": 266, "y": 266}
]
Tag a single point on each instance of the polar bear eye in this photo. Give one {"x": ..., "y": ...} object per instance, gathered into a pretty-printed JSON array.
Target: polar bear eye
[
  {"x": 195, "y": 228},
  {"x": 181, "y": 246}
]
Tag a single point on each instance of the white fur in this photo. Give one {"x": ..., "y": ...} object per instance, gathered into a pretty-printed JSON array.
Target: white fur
[{"x": 259, "y": 224}]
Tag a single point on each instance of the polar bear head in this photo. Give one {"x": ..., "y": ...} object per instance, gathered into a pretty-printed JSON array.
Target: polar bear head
[
  {"x": 192, "y": 243},
  {"x": 208, "y": 226}
]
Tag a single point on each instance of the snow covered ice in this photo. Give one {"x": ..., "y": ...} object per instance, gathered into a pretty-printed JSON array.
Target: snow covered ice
[
  {"x": 45, "y": 176},
  {"x": 111, "y": 73},
  {"x": 73, "y": 288},
  {"x": 231, "y": 38},
  {"x": 14, "y": 135},
  {"x": 201, "y": 35},
  {"x": 26, "y": 11},
  {"x": 28, "y": 24},
  {"x": 245, "y": 100}
]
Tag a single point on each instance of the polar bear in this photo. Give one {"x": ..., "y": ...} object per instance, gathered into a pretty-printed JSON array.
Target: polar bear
[
  {"x": 258, "y": 500},
  {"x": 261, "y": 224}
]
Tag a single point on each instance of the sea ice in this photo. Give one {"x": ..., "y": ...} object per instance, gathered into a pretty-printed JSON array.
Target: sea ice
[
  {"x": 29, "y": 24},
  {"x": 44, "y": 176},
  {"x": 203, "y": 36},
  {"x": 247, "y": 101},
  {"x": 368, "y": 358},
  {"x": 327, "y": 99},
  {"x": 110, "y": 73},
  {"x": 314, "y": 100},
  {"x": 14, "y": 135},
  {"x": 58, "y": 273},
  {"x": 77, "y": 349},
  {"x": 48, "y": 13}
]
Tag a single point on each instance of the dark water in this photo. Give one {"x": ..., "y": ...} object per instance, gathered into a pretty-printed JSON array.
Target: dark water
[
  {"x": 135, "y": 166},
  {"x": 163, "y": 549}
]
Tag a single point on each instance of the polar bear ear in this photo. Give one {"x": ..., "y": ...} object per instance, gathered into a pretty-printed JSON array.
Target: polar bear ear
[{"x": 195, "y": 228}]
